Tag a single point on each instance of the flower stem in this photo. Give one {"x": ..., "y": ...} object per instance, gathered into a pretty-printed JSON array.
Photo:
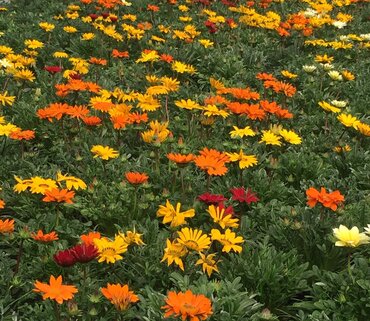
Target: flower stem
[
  {"x": 349, "y": 267},
  {"x": 20, "y": 252},
  {"x": 57, "y": 311}
]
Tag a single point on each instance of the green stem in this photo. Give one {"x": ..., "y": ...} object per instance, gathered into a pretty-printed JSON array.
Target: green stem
[
  {"x": 208, "y": 182},
  {"x": 57, "y": 311},
  {"x": 349, "y": 267},
  {"x": 135, "y": 202}
]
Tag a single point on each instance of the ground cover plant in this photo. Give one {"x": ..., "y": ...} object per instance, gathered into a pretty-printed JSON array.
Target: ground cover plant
[{"x": 185, "y": 160}]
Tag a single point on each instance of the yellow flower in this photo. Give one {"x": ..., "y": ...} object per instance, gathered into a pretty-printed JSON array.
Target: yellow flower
[
  {"x": 88, "y": 36},
  {"x": 69, "y": 29},
  {"x": 148, "y": 102},
  {"x": 229, "y": 240},
  {"x": 157, "y": 133},
  {"x": 109, "y": 251},
  {"x": 212, "y": 110},
  {"x": 324, "y": 59},
  {"x": 181, "y": 67},
  {"x": 6, "y": 100},
  {"x": 33, "y": 44},
  {"x": 326, "y": 106},
  {"x": 241, "y": 132},
  {"x": 348, "y": 120},
  {"x": 7, "y": 129},
  {"x": 71, "y": 182},
  {"x": 132, "y": 238},
  {"x": 269, "y": 138},
  {"x": 173, "y": 253},
  {"x": 148, "y": 56},
  {"x": 24, "y": 74},
  {"x": 172, "y": 215},
  {"x": 245, "y": 161},
  {"x": 39, "y": 185},
  {"x": 193, "y": 239},
  {"x": 208, "y": 263},
  {"x": 183, "y": 8},
  {"x": 349, "y": 238},
  {"x": 22, "y": 184},
  {"x": 206, "y": 43},
  {"x": 60, "y": 54},
  {"x": 290, "y": 137},
  {"x": 104, "y": 152},
  {"x": 220, "y": 218},
  {"x": 47, "y": 26},
  {"x": 187, "y": 104},
  {"x": 363, "y": 128},
  {"x": 348, "y": 75},
  {"x": 158, "y": 39},
  {"x": 171, "y": 84},
  {"x": 288, "y": 74}
]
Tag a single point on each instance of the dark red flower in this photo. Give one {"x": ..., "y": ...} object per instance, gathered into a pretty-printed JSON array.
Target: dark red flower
[
  {"x": 243, "y": 196},
  {"x": 53, "y": 69},
  {"x": 93, "y": 16},
  {"x": 75, "y": 76},
  {"x": 212, "y": 28},
  {"x": 211, "y": 199},
  {"x": 228, "y": 210},
  {"x": 65, "y": 258},
  {"x": 84, "y": 253},
  {"x": 113, "y": 18},
  {"x": 105, "y": 15}
]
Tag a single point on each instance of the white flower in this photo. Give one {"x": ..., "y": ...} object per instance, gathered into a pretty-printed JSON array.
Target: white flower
[
  {"x": 365, "y": 36},
  {"x": 309, "y": 68},
  {"x": 335, "y": 75},
  {"x": 310, "y": 13},
  {"x": 328, "y": 67},
  {"x": 339, "y": 24},
  {"x": 339, "y": 103}
]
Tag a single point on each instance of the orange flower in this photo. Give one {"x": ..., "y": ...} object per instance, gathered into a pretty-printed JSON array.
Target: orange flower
[
  {"x": 152, "y": 7},
  {"x": 6, "y": 226},
  {"x": 120, "y": 121},
  {"x": 45, "y": 238},
  {"x": 211, "y": 165},
  {"x": 56, "y": 195},
  {"x": 91, "y": 120},
  {"x": 187, "y": 305},
  {"x": 88, "y": 239},
  {"x": 138, "y": 118},
  {"x": 55, "y": 290},
  {"x": 136, "y": 178},
  {"x": 119, "y": 295},
  {"x": 180, "y": 159},
  {"x": 215, "y": 154},
  {"x": 264, "y": 76},
  {"x": 119, "y": 54},
  {"x": 313, "y": 196},
  {"x": 22, "y": 134},
  {"x": 2, "y": 204},
  {"x": 166, "y": 58},
  {"x": 98, "y": 61},
  {"x": 330, "y": 200}
]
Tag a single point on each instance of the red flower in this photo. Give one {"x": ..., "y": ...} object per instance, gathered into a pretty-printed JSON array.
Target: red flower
[
  {"x": 211, "y": 199},
  {"x": 228, "y": 210},
  {"x": 84, "y": 253},
  {"x": 53, "y": 69},
  {"x": 93, "y": 16},
  {"x": 243, "y": 196},
  {"x": 65, "y": 258}
]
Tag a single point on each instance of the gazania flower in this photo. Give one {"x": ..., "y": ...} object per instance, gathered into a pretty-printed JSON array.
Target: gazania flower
[
  {"x": 349, "y": 237},
  {"x": 208, "y": 263},
  {"x": 40, "y": 185},
  {"x": 180, "y": 159},
  {"x": 53, "y": 69},
  {"x": 241, "y": 132},
  {"x": 6, "y": 100},
  {"x": 55, "y": 290},
  {"x": 104, "y": 152},
  {"x": 245, "y": 161},
  {"x": 22, "y": 134},
  {"x": 110, "y": 251},
  {"x": 313, "y": 196},
  {"x": 211, "y": 199},
  {"x": 59, "y": 196},
  {"x": 211, "y": 165},
  {"x": 244, "y": 196},
  {"x": 221, "y": 218},
  {"x": 6, "y": 226},
  {"x": 2, "y": 204},
  {"x": 71, "y": 182},
  {"x": 326, "y": 106},
  {"x": 84, "y": 253},
  {"x": 229, "y": 240},
  {"x": 188, "y": 306},
  {"x": 290, "y": 137},
  {"x": 119, "y": 295},
  {"x": 89, "y": 238},
  {"x": 330, "y": 200},
  {"x": 136, "y": 178},
  {"x": 172, "y": 215},
  {"x": 45, "y": 238},
  {"x": 269, "y": 138},
  {"x": 64, "y": 258},
  {"x": 348, "y": 120},
  {"x": 173, "y": 253},
  {"x": 132, "y": 238},
  {"x": 193, "y": 239}
]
